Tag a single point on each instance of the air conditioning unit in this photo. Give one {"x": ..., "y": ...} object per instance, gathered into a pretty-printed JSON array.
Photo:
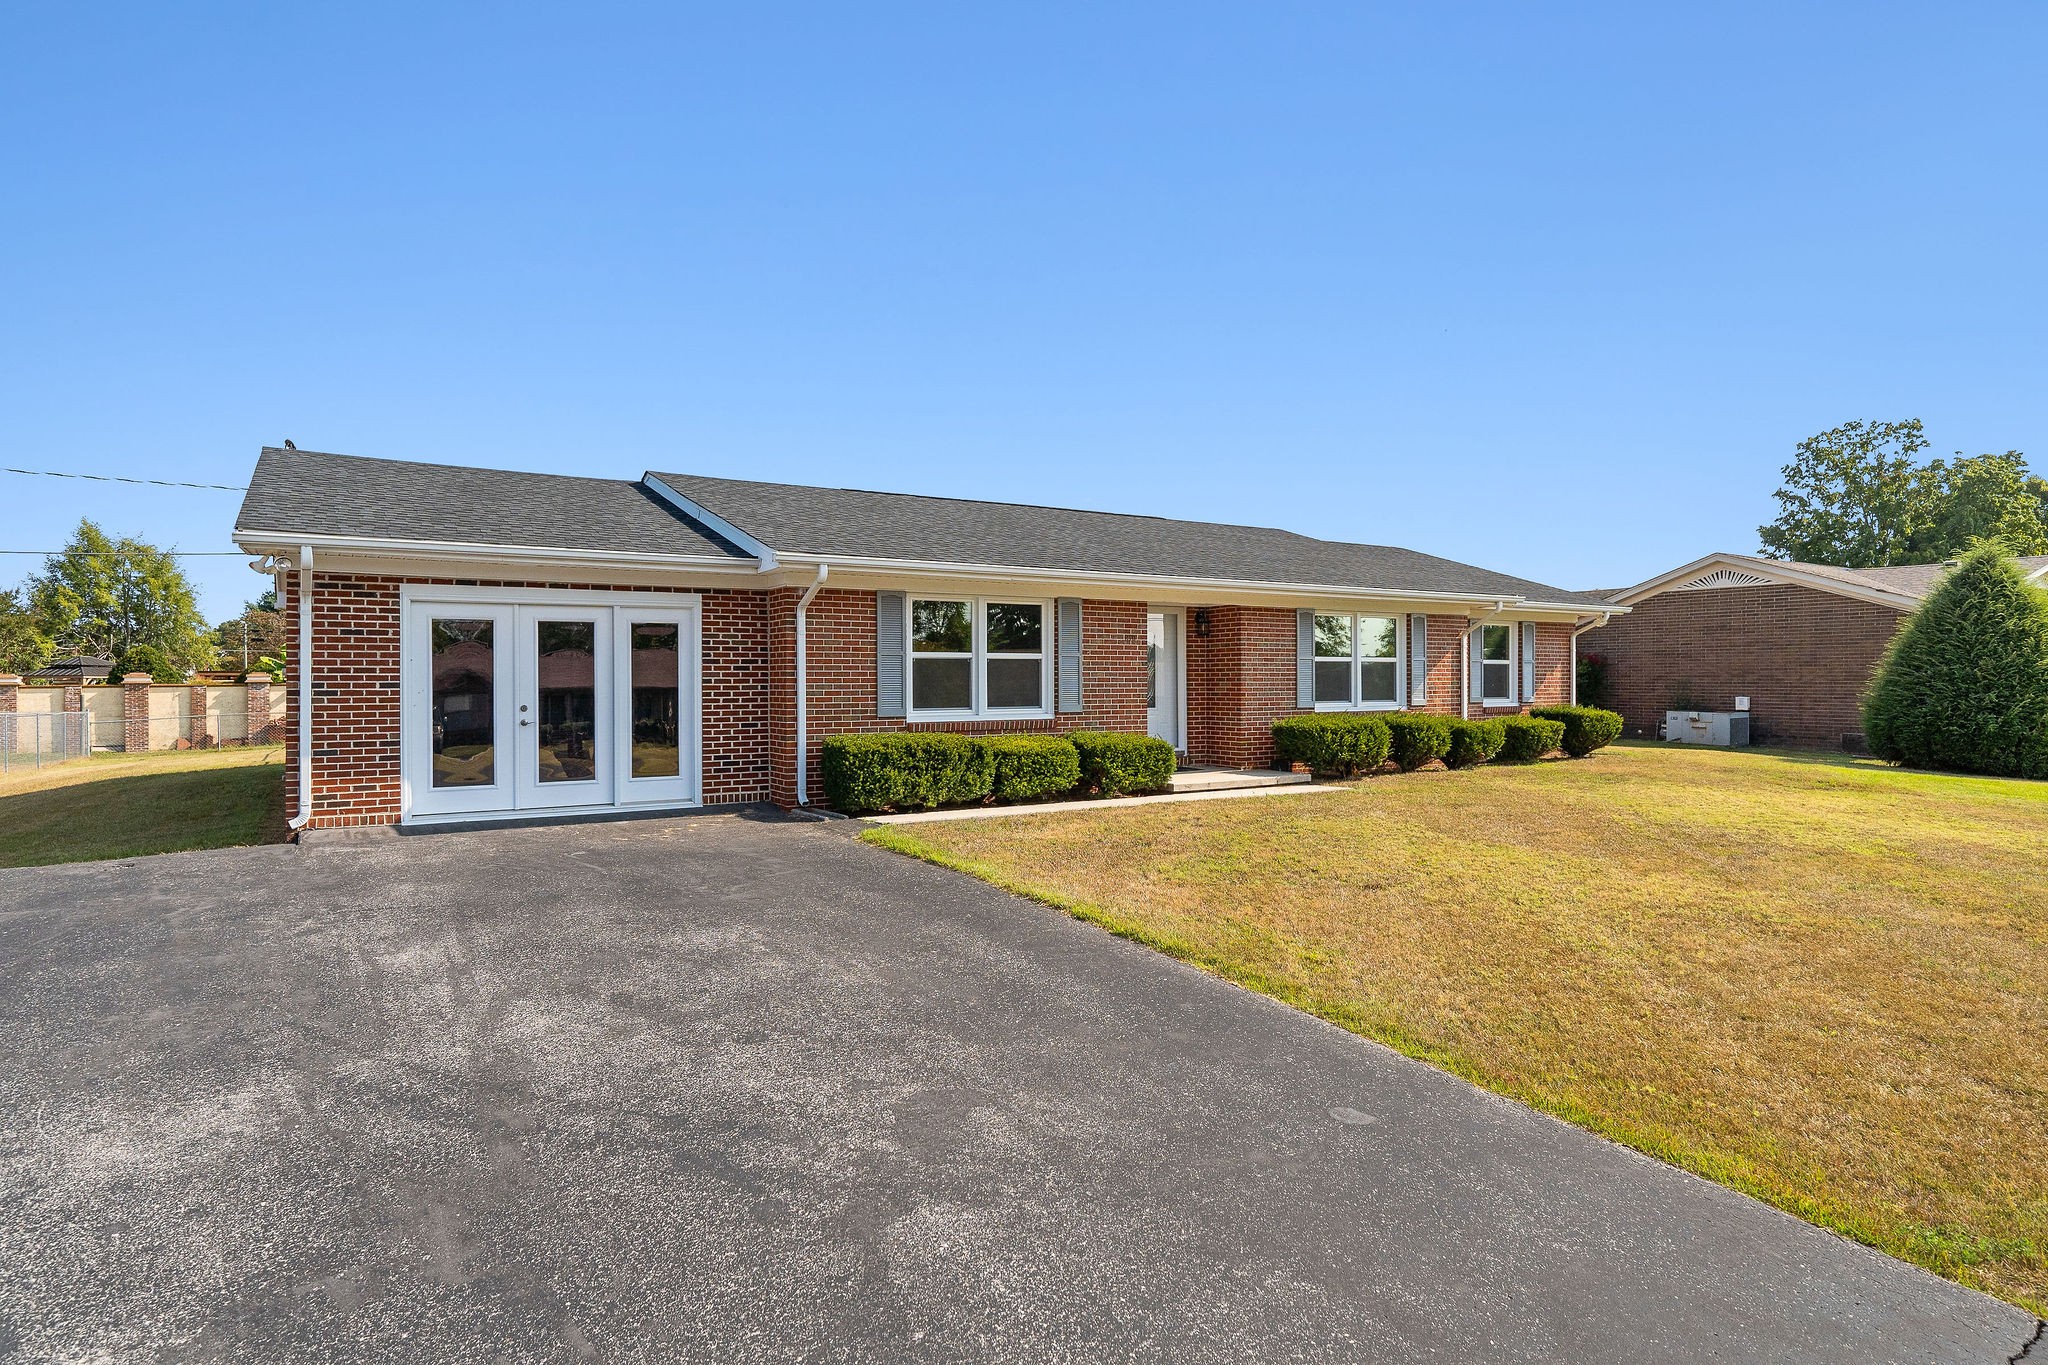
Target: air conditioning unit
[{"x": 1729, "y": 729}]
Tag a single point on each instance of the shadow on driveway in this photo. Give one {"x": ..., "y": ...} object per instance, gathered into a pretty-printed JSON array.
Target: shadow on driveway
[{"x": 731, "y": 1090}]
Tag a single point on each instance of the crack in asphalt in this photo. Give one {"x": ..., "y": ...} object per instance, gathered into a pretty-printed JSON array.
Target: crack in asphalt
[{"x": 2040, "y": 1327}]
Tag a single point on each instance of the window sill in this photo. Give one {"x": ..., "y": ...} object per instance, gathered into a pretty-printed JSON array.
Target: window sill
[{"x": 1345, "y": 707}]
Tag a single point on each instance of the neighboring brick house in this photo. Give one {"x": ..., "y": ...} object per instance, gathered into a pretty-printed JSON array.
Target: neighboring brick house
[
  {"x": 485, "y": 643},
  {"x": 1800, "y": 641}
]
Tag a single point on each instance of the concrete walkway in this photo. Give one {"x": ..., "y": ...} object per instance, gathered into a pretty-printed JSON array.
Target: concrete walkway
[{"x": 732, "y": 1090}]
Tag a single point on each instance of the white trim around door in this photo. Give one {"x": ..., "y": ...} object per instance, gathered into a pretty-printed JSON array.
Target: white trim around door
[
  {"x": 1166, "y": 652},
  {"x": 515, "y": 701}
]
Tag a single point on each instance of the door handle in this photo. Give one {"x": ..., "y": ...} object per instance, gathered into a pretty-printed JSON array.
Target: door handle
[{"x": 526, "y": 722}]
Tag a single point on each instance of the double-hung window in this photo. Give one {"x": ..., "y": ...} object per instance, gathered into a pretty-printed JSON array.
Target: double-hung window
[
  {"x": 1497, "y": 663},
  {"x": 1357, "y": 661},
  {"x": 977, "y": 657}
]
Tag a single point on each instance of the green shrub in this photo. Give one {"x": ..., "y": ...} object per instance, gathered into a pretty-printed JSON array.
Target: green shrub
[
  {"x": 1416, "y": 739},
  {"x": 1474, "y": 742},
  {"x": 1116, "y": 764},
  {"x": 1332, "y": 745},
  {"x": 905, "y": 771},
  {"x": 1529, "y": 738},
  {"x": 1964, "y": 686},
  {"x": 144, "y": 659},
  {"x": 1031, "y": 766},
  {"x": 1586, "y": 728}
]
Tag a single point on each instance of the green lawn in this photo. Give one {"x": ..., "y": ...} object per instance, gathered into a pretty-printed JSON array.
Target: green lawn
[
  {"x": 117, "y": 806},
  {"x": 1820, "y": 981}
]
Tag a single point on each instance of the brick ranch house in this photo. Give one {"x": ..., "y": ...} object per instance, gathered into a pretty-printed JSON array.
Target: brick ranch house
[
  {"x": 1801, "y": 641},
  {"x": 475, "y": 643}
]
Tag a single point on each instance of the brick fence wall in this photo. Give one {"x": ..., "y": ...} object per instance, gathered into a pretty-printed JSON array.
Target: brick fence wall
[{"x": 1802, "y": 656}]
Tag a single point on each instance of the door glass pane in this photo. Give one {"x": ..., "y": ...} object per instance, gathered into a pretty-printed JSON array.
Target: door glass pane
[
  {"x": 1151, "y": 675},
  {"x": 568, "y": 701},
  {"x": 464, "y": 674},
  {"x": 657, "y": 716}
]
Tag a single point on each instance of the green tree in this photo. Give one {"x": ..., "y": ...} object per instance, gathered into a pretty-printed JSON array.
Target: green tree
[
  {"x": 24, "y": 646},
  {"x": 257, "y": 632},
  {"x": 145, "y": 659},
  {"x": 1981, "y": 497},
  {"x": 1853, "y": 496},
  {"x": 1964, "y": 685},
  {"x": 100, "y": 595}
]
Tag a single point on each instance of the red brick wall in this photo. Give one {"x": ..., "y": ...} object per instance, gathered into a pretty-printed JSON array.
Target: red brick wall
[
  {"x": 356, "y": 684},
  {"x": 840, "y": 630},
  {"x": 1801, "y": 656},
  {"x": 1241, "y": 678}
]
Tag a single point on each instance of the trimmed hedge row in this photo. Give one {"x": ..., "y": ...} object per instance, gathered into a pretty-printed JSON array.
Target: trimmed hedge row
[
  {"x": 916, "y": 771},
  {"x": 1529, "y": 738},
  {"x": 1586, "y": 728},
  {"x": 1474, "y": 742},
  {"x": 1346, "y": 744},
  {"x": 1117, "y": 764},
  {"x": 1332, "y": 745}
]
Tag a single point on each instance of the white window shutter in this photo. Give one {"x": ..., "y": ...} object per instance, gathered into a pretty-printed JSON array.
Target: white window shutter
[
  {"x": 1528, "y": 661},
  {"x": 889, "y": 655},
  {"x": 1475, "y": 644},
  {"x": 1418, "y": 659},
  {"x": 1068, "y": 627},
  {"x": 1305, "y": 659}
]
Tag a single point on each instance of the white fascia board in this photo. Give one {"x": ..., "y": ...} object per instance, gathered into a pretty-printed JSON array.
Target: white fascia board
[
  {"x": 1196, "y": 591},
  {"x": 1778, "y": 571},
  {"x": 282, "y": 542},
  {"x": 762, "y": 552}
]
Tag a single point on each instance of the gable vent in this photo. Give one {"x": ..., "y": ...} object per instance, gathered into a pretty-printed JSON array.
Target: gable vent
[{"x": 1724, "y": 578}]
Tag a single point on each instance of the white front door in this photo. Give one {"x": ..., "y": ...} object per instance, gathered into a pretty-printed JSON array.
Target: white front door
[
  {"x": 1164, "y": 694},
  {"x": 526, "y": 700}
]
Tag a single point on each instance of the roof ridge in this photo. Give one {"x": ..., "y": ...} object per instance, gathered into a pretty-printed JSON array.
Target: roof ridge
[
  {"x": 979, "y": 502},
  {"x": 460, "y": 468}
]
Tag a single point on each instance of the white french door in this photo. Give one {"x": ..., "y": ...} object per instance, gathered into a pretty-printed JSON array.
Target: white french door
[
  {"x": 527, "y": 700},
  {"x": 564, "y": 737}
]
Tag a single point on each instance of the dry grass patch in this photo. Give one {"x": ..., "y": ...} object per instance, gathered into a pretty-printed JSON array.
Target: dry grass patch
[
  {"x": 1822, "y": 982},
  {"x": 121, "y": 805}
]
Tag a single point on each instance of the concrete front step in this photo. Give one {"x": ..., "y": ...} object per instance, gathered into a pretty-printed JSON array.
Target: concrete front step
[{"x": 1231, "y": 779}]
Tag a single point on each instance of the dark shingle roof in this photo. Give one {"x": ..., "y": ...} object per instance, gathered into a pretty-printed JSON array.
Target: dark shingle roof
[
  {"x": 296, "y": 492},
  {"x": 797, "y": 519},
  {"x": 303, "y": 492}
]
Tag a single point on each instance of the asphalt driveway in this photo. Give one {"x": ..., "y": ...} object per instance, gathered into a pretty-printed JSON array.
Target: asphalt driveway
[{"x": 726, "y": 1089}]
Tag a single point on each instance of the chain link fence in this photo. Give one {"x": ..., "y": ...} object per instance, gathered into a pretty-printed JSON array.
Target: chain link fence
[{"x": 38, "y": 739}]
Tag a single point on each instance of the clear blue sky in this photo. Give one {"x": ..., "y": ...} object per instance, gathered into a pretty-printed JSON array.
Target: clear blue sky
[{"x": 1550, "y": 289}]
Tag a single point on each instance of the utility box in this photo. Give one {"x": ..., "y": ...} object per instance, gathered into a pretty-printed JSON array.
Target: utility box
[{"x": 1729, "y": 729}]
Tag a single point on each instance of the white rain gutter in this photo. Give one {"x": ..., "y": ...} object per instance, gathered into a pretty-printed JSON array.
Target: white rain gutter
[
  {"x": 1590, "y": 623},
  {"x": 305, "y": 663},
  {"x": 803, "y": 688}
]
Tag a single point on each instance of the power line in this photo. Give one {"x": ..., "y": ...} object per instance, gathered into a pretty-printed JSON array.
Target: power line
[
  {"x": 117, "y": 478},
  {"x": 172, "y": 554}
]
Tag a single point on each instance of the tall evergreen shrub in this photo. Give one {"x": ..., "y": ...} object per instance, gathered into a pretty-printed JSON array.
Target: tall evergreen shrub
[{"x": 1964, "y": 685}]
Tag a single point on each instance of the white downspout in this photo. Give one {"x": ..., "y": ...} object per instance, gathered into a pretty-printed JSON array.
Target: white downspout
[
  {"x": 1590, "y": 623},
  {"x": 803, "y": 688},
  {"x": 305, "y": 663}
]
